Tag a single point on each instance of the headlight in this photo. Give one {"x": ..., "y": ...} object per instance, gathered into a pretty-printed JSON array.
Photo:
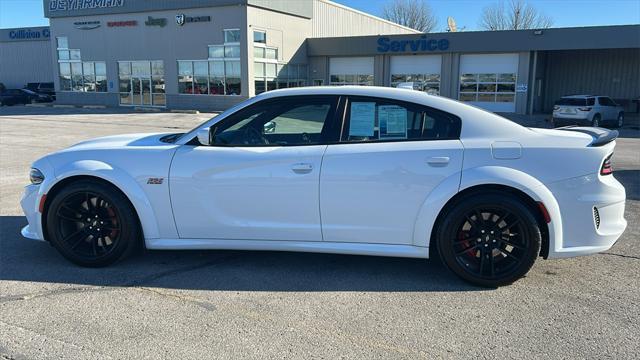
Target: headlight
[{"x": 36, "y": 176}]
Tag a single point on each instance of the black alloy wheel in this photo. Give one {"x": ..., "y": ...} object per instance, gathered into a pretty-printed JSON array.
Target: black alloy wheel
[
  {"x": 92, "y": 224},
  {"x": 490, "y": 239}
]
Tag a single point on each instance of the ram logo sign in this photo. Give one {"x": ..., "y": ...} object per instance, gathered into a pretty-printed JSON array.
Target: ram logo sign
[{"x": 422, "y": 44}]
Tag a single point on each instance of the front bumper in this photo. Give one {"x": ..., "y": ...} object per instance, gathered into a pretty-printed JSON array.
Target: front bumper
[
  {"x": 30, "y": 202},
  {"x": 587, "y": 231}
]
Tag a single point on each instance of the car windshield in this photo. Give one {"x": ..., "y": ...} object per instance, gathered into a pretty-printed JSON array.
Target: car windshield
[
  {"x": 29, "y": 91},
  {"x": 572, "y": 101}
]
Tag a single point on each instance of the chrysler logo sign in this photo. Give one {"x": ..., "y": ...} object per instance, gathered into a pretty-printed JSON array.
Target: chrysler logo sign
[
  {"x": 181, "y": 19},
  {"x": 86, "y": 25}
]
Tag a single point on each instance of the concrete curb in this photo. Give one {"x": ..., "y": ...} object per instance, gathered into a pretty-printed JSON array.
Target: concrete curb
[
  {"x": 94, "y": 107},
  {"x": 37, "y": 105},
  {"x": 63, "y": 106},
  {"x": 145, "y": 109},
  {"x": 185, "y": 111}
]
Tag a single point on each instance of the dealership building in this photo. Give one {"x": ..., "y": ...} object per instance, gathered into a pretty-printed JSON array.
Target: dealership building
[{"x": 211, "y": 54}]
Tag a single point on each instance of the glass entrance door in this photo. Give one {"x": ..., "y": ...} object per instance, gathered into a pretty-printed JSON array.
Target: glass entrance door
[{"x": 136, "y": 79}]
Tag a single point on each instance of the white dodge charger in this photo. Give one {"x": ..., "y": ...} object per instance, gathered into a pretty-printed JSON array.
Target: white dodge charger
[{"x": 349, "y": 170}]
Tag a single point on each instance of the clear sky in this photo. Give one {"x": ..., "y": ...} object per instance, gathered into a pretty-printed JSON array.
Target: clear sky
[{"x": 22, "y": 13}]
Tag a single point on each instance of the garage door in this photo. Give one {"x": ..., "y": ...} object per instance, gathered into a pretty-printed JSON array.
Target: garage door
[
  {"x": 351, "y": 71},
  {"x": 489, "y": 81},
  {"x": 421, "y": 70}
]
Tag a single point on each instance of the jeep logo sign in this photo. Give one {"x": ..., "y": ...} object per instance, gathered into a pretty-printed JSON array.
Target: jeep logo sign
[{"x": 422, "y": 44}]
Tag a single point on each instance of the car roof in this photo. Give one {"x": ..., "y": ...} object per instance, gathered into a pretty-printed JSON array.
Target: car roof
[
  {"x": 582, "y": 96},
  {"x": 370, "y": 91}
]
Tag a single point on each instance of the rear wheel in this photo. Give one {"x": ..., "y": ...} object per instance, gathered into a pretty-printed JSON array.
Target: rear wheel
[
  {"x": 596, "y": 120},
  {"x": 490, "y": 239},
  {"x": 92, "y": 224}
]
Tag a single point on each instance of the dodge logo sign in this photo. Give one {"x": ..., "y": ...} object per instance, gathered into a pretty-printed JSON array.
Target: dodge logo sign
[{"x": 180, "y": 19}]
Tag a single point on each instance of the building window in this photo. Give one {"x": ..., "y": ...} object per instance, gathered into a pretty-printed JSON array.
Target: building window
[
  {"x": 429, "y": 83},
  {"x": 259, "y": 37},
  {"x": 488, "y": 87},
  {"x": 224, "y": 51},
  {"x": 75, "y": 75},
  {"x": 271, "y": 76},
  {"x": 231, "y": 36},
  {"x": 213, "y": 77},
  {"x": 262, "y": 52},
  {"x": 141, "y": 83},
  {"x": 352, "y": 79},
  {"x": 62, "y": 42}
]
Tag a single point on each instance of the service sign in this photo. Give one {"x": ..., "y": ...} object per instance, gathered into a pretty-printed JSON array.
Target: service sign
[{"x": 421, "y": 44}]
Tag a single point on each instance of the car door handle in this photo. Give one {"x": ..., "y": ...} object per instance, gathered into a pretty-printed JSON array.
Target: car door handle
[
  {"x": 438, "y": 161},
  {"x": 302, "y": 168}
]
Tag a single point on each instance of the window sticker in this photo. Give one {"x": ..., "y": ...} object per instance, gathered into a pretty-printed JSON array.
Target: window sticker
[
  {"x": 362, "y": 119},
  {"x": 393, "y": 122}
]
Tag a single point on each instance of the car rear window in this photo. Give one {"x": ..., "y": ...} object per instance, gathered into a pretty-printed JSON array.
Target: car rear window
[{"x": 572, "y": 102}]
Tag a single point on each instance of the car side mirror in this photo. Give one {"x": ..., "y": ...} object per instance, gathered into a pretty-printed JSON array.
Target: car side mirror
[
  {"x": 204, "y": 136},
  {"x": 270, "y": 127}
]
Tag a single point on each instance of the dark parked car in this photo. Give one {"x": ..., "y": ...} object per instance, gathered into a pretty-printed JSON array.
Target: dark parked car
[
  {"x": 22, "y": 96},
  {"x": 42, "y": 88}
]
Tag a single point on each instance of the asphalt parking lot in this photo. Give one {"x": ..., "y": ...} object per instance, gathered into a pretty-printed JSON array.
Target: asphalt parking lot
[{"x": 230, "y": 304}]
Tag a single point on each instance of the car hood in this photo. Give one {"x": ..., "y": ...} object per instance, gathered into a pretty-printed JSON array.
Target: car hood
[{"x": 121, "y": 142}]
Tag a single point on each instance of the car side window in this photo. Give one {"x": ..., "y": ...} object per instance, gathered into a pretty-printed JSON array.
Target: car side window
[
  {"x": 301, "y": 120},
  {"x": 591, "y": 101},
  {"x": 605, "y": 101},
  {"x": 375, "y": 120}
]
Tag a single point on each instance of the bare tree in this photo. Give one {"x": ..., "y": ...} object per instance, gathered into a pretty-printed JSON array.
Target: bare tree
[
  {"x": 515, "y": 15},
  {"x": 416, "y": 14}
]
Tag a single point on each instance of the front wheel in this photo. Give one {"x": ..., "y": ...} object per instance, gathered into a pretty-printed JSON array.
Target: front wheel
[
  {"x": 490, "y": 239},
  {"x": 92, "y": 224}
]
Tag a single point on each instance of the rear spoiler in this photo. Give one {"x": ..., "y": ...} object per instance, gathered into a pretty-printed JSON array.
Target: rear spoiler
[{"x": 600, "y": 136}]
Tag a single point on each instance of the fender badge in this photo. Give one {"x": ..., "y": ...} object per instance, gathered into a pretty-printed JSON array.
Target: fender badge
[{"x": 155, "y": 181}]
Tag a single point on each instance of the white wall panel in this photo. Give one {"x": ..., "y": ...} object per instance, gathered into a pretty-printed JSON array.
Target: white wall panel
[
  {"x": 416, "y": 64},
  {"x": 488, "y": 63},
  {"x": 331, "y": 19},
  {"x": 351, "y": 65}
]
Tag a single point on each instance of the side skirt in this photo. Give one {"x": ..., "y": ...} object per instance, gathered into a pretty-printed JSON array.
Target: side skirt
[{"x": 409, "y": 251}]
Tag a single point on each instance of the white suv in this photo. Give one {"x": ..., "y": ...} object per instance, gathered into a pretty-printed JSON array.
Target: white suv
[{"x": 587, "y": 110}]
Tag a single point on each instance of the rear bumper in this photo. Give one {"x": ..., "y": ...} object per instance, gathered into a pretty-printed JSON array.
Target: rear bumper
[
  {"x": 563, "y": 119},
  {"x": 592, "y": 213}
]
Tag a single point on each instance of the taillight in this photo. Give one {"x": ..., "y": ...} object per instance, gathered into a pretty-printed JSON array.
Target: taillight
[
  {"x": 585, "y": 109},
  {"x": 556, "y": 108},
  {"x": 606, "y": 168}
]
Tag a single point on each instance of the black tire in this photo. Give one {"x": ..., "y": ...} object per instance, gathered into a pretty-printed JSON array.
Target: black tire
[
  {"x": 596, "y": 121},
  {"x": 92, "y": 224},
  {"x": 489, "y": 239},
  {"x": 619, "y": 120}
]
